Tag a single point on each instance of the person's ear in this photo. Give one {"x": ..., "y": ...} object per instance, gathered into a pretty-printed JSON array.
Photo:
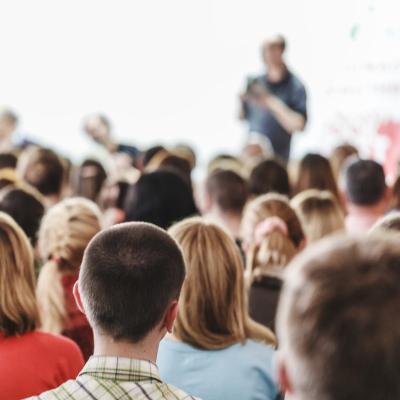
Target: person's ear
[
  {"x": 302, "y": 245},
  {"x": 343, "y": 200},
  {"x": 77, "y": 297},
  {"x": 283, "y": 377},
  {"x": 207, "y": 203},
  {"x": 245, "y": 246},
  {"x": 170, "y": 316},
  {"x": 120, "y": 216},
  {"x": 388, "y": 196}
]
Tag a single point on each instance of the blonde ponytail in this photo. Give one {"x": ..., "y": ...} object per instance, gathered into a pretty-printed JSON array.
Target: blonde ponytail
[
  {"x": 50, "y": 296},
  {"x": 270, "y": 249},
  {"x": 65, "y": 232}
]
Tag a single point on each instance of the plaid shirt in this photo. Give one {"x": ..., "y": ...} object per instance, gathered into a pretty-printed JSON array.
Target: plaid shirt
[{"x": 108, "y": 378}]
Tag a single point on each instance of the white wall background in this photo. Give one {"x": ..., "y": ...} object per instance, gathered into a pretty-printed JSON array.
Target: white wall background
[{"x": 171, "y": 70}]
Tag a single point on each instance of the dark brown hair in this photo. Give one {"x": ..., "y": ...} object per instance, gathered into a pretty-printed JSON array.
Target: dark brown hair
[
  {"x": 339, "y": 156},
  {"x": 129, "y": 275},
  {"x": 26, "y": 209},
  {"x": 269, "y": 176},
  {"x": 315, "y": 172},
  {"x": 44, "y": 171},
  {"x": 90, "y": 180}
]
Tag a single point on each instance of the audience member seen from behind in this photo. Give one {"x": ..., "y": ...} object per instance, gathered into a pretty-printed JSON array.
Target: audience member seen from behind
[
  {"x": 319, "y": 213},
  {"x": 112, "y": 200},
  {"x": 64, "y": 234},
  {"x": 226, "y": 195},
  {"x": 44, "y": 170},
  {"x": 339, "y": 156},
  {"x": 30, "y": 361},
  {"x": 315, "y": 172},
  {"x": 148, "y": 155},
  {"x": 365, "y": 194},
  {"x": 168, "y": 161},
  {"x": 339, "y": 337},
  {"x": 161, "y": 198},
  {"x": 90, "y": 179},
  {"x": 272, "y": 236},
  {"x": 216, "y": 351},
  {"x": 129, "y": 286},
  {"x": 25, "y": 207},
  {"x": 269, "y": 176}
]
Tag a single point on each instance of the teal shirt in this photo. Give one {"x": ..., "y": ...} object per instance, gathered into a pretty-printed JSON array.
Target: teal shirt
[{"x": 238, "y": 372}]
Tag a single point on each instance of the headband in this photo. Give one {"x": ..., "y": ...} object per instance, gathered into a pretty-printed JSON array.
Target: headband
[{"x": 269, "y": 225}]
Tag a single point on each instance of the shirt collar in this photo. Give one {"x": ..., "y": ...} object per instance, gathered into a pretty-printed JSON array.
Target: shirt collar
[{"x": 121, "y": 369}]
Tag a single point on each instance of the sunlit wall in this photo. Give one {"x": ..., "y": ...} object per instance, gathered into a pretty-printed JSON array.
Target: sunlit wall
[{"x": 171, "y": 70}]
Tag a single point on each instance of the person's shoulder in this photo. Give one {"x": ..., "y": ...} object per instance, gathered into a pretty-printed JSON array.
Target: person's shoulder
[
  {"x": 176, "y": 344},
  {"x": 62, "y": 344},
  {"x": 258, "y": 351},
  {"x": 260, "y": 77},
  {"x": 295, "y": 81},
  {"x": 68, "y": 390},
  {"x": 172, "y": 392},
  {"x": 53, "y": 339}
]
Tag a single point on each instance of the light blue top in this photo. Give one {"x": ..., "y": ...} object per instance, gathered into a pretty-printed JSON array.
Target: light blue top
[{"x": 238, "y": 372}]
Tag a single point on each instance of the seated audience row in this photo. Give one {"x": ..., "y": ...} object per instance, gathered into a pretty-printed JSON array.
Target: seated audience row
[{"x": 115, "y": 292}]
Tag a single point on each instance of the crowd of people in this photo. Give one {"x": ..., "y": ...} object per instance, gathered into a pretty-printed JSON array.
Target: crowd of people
[{"x": 268, "y": 279}]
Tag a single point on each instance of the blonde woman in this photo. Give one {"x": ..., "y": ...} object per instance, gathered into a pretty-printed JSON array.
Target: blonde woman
[
  {"x": 65, "y": 232},
  {"x": 319, "y": 212},
  {"x": 30, "y": 361},
  {"x": 216, "y": 351},
  {"x": 272, "y": 236}
]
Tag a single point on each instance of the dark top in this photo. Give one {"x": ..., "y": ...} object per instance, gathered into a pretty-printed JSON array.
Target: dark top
[
  {"x": 292, "y": 92},
  {"x": 263, "y": 300},
  {"x": 128, "y": 149}
]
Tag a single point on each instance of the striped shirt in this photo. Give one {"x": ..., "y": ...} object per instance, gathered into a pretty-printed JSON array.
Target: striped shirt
[{"x": 107, "y": 378}]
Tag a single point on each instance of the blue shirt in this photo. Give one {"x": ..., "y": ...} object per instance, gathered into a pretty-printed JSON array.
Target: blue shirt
[
  {"x": 292, "y": 92},
  {"x": 238, "y": 372}
]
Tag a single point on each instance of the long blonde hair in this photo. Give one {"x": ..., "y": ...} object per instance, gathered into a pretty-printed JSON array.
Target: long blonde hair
[
  {"x": 275, "y": 249},
  {"x": 213, "y": 310},
  {"x": 65, "y": 232},
  {"x": 18, "y": 308},
  {"x": 319, "y": 213}
]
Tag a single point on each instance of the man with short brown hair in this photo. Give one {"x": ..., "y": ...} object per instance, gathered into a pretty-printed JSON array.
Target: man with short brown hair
[
  {"x": 338, "y": 327},
  {"x": 128, "y": 287},
  {"x": 226, "y": 196}
]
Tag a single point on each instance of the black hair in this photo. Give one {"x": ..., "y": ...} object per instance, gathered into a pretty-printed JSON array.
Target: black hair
[
  {"x": 364, "y": 182},
  {"x": 161, "y": 198},
  {"x": 24, "y": 208}
]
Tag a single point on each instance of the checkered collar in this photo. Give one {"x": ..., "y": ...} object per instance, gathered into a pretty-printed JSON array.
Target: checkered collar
[{"x": 121, "y": 369}]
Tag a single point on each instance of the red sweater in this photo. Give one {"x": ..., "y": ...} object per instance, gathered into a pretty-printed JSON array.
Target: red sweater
[
  {"x": 76, "y": 326},
  {"x": 35, "y": 362}
]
